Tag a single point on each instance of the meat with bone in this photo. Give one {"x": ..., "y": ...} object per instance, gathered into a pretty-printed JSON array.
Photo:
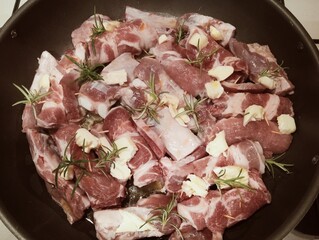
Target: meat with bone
[
  {"x": 224, "y": 33},
  {"x": 28, "y": 118},
  {"x": 63, "y": 136},
  {"x": 48, "y": 70},
  {"x": 130, "y": 36},
  {"x": 175, "y": 172},
  {"x": 124, "y": 62},
  {"x": 250, "y": 87},
  {"x": 234, "y": 104},
  {"x": 50, "y": 111},
  {"x": 213, "y": 55},
  {"x": 144, "y": 163},
  {"x": 160, "y": 22},
  {"x": 179, "y": 141},
  {"x": 124, "y": 223},
  {"x": 194, "y": 210},
  {"x": 97, "y": 97},
  {"x": 219, "y": 210},
  {"x": 178, "y": 56},
  {"x": 259, "y": 65},
  {"x": 154, "y": 201},
  {"x": 102, "y": 189},
  {"x": 70, "y": 102},
  {"x": 151, "y": 137},
  {"x": 190, "y": 78},
  {"x": 46, "y": 161},
  {"x": 206, "y": 121},
  {"x": 227, "y": 208},
  {"x": 188, "y": 232},
  {"x": 266, "y": 133},
  {"x": 246, "y": 154},
  {"x": 163, "y": 82},
  {"x": 164, "y": 207}
]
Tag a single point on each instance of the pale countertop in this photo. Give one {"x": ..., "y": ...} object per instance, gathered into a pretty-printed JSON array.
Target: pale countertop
[{"x": 306, "y": 12}]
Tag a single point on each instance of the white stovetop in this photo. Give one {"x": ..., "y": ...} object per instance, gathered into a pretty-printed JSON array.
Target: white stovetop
[{"x": 305, "y": 10}]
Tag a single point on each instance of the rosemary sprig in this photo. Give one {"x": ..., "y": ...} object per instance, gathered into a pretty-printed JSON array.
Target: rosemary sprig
[
  {"x": 107, "y": 156},
  {"x": 230, "y": 182},
  {"x": 65, "y": 165},
  {"x": 164, "y": 214},
  {"x": 191, "y": 109},
  {"x": 272, "y": 162},
  {"x": 31, "y": 97},
  {"x": 201, "y": 56},
  {"x": 150, "y": 109},
  {"x": 87, "y": 73},
  {"x": 181, "y": 33},
  {"x": 272, "y": 73},
  {"x": 97, "y": 29},
  {"x": 68, "y": 162}
]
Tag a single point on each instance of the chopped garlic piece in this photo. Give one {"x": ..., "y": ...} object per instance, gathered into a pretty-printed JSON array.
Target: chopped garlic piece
[
  {"x": 120, "y": 170},
  {"x": 232, "y": 172},
  {"x": 214, "y": 89},
  {"x": 195, "y": 186},
  {"x": 116, "y": 77},
  {"x": 105, "y": 144},
  {"x": 111, "y": 25},
  {"x": 267, "y": 82},
  {"x": 67, "y": 174},
  {"x": 84, "y": 138},
  {"x": 49, "y": 104},
  {"x": 102, "y": 110},
  {"x": 221, "y": 72},
  {"x": 215, "y": 33},
  {"x": 286, "y": 124},
  {"x": 218, "y": 145},
  {"x": 133, "y": 223},
  {"x": 163, "y": 38},
  {"x": 169, "y": 99},
  {"x": 182, "y": 119},
  {"x": 129, "y": 148},
  {"x": 44, "y": 83},
  {"x": 253, "y": 113},
  {"x": 138, "y": 83},
  {"x": 198, "y": 40},
  {"x": 85, "y": 102}
]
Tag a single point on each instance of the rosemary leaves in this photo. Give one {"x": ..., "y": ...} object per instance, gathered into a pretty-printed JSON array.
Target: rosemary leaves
[
  {"x": 31, "y": 97},
  {"x": 272, "y": 163},
  {"x": 150, "y": 109},
  {"x": 238, "y": 181},
  {"x": 164, "y": 215},
  {"x": 87, "y": 72},
  {"x": 191, "y": 108}
]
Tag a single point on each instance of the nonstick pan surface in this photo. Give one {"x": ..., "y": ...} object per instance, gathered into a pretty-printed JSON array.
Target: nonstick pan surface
[{"x": 26, "y": 207}]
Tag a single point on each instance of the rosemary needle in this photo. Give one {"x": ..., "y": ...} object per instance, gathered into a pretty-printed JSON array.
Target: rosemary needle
[
  {"x": 97, "y": 29},
  {"x": 87, "y": 72},
  {"x": 104, "y": 157},
  {"x": 191, "y": 109},
  {"x": 31, "y": 97},
  {"x": 164, "y": 214},
  {"x": 272, "y": 162}
]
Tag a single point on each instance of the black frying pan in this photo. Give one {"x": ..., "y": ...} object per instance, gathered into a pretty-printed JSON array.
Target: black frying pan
[{"x": 26, "y": 207}]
